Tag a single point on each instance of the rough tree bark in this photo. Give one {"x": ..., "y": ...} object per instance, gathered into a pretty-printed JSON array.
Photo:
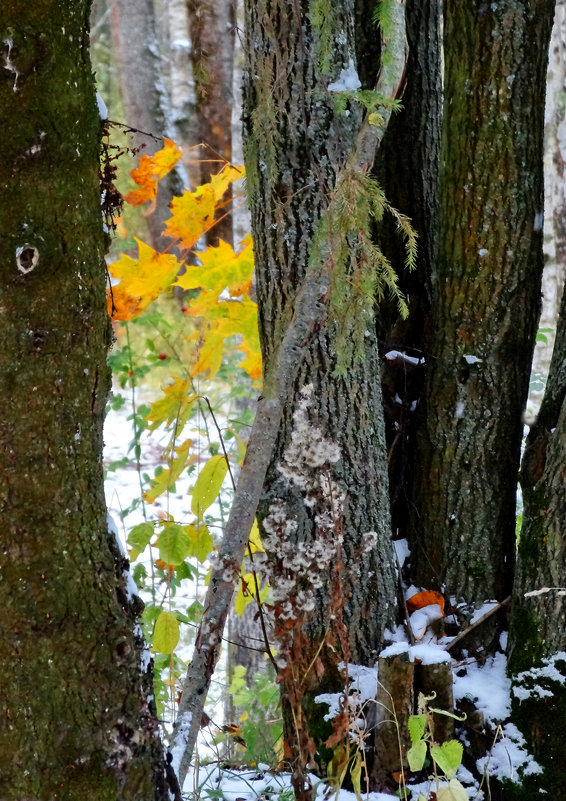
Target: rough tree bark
[
  {"x": 284, "y": 357},
  {"x": 537, "y": 636},
  {"x": 144, "y": 96},
  {"x": 485, "y": 296},
  {"x": 296, "y": 144},
  {"x": 77, "y": 716}
]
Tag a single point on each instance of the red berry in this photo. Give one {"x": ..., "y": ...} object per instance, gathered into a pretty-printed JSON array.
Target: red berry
[
  {"x": 162, "y": 356},
  {"x": 184, "y": 309}
]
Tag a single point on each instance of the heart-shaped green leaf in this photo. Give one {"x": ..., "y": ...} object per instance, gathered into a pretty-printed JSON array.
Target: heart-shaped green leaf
[{"x": 448, "y": 757}]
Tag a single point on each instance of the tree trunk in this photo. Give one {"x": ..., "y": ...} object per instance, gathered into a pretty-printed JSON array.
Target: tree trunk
[
  {"x": 78, "y": 719},
  {"x": 295, "y": 145},
  {"x": 485, "y": 296},
  {"x": 212, "y": 29},
  {"x": 408, "y": 167},
  {"x": 143, "y": 94},
  {"x": 537, "y": 637}
]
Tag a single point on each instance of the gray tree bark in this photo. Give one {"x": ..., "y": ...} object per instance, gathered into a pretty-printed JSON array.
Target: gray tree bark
[
  {"x": 485, "y": 296},
  {"x": 78, "y": 720}
]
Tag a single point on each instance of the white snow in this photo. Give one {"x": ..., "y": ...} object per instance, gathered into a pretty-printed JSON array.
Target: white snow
[
  {"x": 426, "y": 654},
  {"x": 363, "y": 681},
  {"x": 508, "y": 756},
  {"x": 483, "y": 610},
  {"x": 402, "y": 550},
  {"x": 471, "y": 359},
  {"x": 391, "y": 355},
  {"x": 421, "y": 618},
  {"x": 348, "y": 81},
  {"x": 488, "y": 686},
  {"x": 182, "y": 730},
  {"x": 547, "y": 670},
  {"x": 252, "y": 785},
  {"x": 102, "y": 110}
]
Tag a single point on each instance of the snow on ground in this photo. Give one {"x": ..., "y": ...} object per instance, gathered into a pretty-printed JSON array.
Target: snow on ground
[
  {"x": 258, "y": 783},
  {"x": 486, "y": 685}
]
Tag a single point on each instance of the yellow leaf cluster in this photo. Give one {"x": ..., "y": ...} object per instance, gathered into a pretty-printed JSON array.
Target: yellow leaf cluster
[
  {"x": 193, "y": 213},
  {"x": 225, "y": 280},
  {"x": 142, "y": 280},
  {"x": 174, "y": 406},
  {"x": 165, "y": 480}
]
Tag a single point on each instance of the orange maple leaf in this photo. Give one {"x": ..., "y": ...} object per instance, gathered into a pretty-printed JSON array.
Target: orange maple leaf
[
  {"x": 425, "y": 598},
  {"x": 150, "y": 170}
]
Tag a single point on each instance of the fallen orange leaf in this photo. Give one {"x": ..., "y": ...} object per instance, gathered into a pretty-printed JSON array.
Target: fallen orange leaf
[{"x": 425, "y": 598}]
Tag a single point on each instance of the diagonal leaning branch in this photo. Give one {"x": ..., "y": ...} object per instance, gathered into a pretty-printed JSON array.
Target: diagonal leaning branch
[{"x": 310, "y": 313}]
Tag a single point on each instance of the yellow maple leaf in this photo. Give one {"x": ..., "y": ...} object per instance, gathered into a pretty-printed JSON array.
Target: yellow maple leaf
[
  {"x": 149, "y": 171},
  {"x": 221, "y": 269},
  {"x": 141, "y": 281},
  {"x": 193, "y": 213},
  {"x": 240, "y": 317},
  {"x": 166, "y": 479},
  {"x": 175, "y": 406},
  {"x": 210, "y": 353}
]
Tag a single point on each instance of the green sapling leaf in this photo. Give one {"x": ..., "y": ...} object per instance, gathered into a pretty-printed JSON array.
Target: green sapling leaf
[
  {"x": 417, "y": 725},
  {"x": 416, "y": 755},
  {"x": 448, "y": 756}
]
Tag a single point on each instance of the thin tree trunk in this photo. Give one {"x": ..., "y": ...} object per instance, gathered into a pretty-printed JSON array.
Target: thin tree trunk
[
  {"x": 485, "y": 296},
  {"x": 144, "y": 97},
  {"x": 78, "y": 719},
  {"x": 212, "y": 31},
  {"x": 408, "y": 166},
  {"x": 537, "y": 637},
  {"x": 182, "y": 86}
]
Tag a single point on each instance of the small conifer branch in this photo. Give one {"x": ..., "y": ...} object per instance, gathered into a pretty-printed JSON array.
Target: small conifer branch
[{"x": 310, "y": 312}]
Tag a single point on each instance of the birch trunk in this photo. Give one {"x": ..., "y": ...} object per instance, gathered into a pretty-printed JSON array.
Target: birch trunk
[{"x": 144, "y": 96}]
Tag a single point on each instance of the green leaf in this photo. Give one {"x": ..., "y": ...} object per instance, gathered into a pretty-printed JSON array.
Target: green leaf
[
  {"x": 208, "y": 484},
  {"x": 138, "y": 538},
  {"x": 166, "y": 634},
  {"x": 454, "y": 792},
  {"x": 201, "y": 541},
  {"x": 356, "y": 775},
  {"x": 174, "y": 544},
  {"x": 416, "y": 755},
  {"x": 417, "y": 726},
  {"x": 185, "y": 571},
  {"x": 448, "y": 757}
]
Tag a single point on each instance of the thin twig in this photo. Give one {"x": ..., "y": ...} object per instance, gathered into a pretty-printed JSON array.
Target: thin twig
[
  {"x": 254, "y": 574},
  {"x": 477, "y": 623}
]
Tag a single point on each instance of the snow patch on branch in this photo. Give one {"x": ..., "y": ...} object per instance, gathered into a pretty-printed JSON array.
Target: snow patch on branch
[
  {"x": 182, "y": 730},
  {"x": 348, "y": 81}
]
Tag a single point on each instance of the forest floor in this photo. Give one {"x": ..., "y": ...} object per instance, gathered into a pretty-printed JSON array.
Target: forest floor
[{"x": 484, "y": 684}]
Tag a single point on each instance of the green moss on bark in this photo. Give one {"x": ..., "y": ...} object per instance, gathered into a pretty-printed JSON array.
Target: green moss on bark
[{"x": 76, "y": 719}]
